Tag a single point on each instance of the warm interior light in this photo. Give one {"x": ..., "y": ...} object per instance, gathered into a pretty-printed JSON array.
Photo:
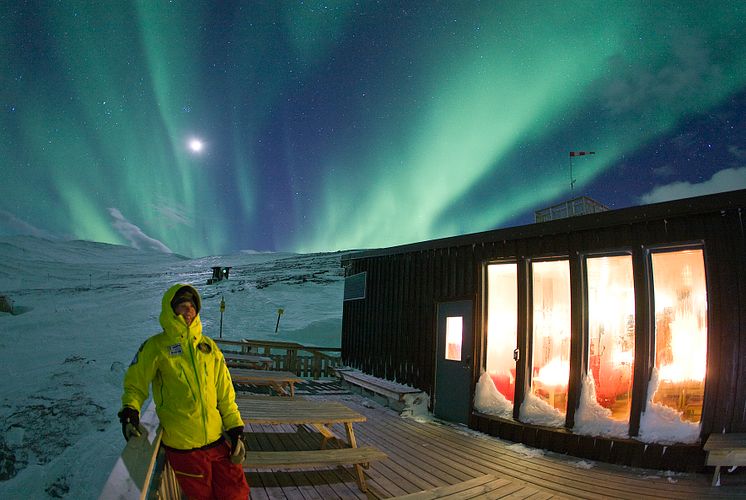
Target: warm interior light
[
  {"x": 554, "y": 374},
  {"x": 611, "y": 331},
  {"x": 687, "y": 343},
  {"x": 680, "y": 298},
  {"x": 502, "y": 326},
  {"x": 551, "y": 332},
  {"x": 454, "y": 336},
  {"x": 680, "y": 295}
]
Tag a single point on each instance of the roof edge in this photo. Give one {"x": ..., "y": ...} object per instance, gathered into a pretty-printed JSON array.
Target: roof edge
[{"x": 610, "y": 218}]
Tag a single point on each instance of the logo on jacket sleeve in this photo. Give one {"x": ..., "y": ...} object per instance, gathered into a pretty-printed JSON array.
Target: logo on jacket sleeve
[
  {"x": 137, "y": 354},
  {"x": 175, "y": 350}
]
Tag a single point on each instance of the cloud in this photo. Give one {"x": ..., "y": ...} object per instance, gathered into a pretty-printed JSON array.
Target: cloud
[
  {"x": 12, "y": 224},
  {"x": 739, "y": 153},
  {"x": 688, "y": 74},
  {"x": 135, "y": 235},
  {"x": 174, "y": 215},
  {"x": 728, "y": 179},
  {"x": 664, "y": 171}
]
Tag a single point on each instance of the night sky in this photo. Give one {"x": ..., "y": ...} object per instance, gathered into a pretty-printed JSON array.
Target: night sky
[{"x": 206, "y": 128}]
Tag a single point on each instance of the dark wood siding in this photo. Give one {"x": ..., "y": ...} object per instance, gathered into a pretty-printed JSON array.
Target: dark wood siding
[{"x": 392, "y": 333}]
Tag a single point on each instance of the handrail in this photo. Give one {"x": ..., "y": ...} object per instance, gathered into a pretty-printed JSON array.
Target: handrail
[
  {"x": 278, "y": 344},
  {"x": 287, "y": 356},
  {"x": 135, "y": 468}
]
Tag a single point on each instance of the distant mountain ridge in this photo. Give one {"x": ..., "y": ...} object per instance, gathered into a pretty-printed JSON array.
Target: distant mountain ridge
[{"x": 69, "y": 251}]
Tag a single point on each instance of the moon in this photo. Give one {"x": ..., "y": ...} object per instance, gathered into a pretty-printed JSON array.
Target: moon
[{"x": 196, "y": 145}]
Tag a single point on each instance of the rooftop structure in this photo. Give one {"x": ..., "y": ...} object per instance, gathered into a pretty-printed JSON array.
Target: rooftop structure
[{"x": 581, "y": 205}]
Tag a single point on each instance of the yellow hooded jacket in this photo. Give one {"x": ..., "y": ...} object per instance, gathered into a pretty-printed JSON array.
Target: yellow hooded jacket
[{"x": 192, "y": 387}]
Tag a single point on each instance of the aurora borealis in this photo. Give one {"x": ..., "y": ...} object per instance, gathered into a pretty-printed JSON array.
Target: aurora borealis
[{"x": 339, "y": 125}]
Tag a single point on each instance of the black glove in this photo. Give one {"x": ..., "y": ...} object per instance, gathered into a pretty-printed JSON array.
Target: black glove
[
  {"x": 238, "y": 449},
  {"x": 130, "y": 420}
]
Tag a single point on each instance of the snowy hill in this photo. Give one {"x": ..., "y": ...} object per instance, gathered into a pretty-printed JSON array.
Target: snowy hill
[{"x": 84, "y": 308}]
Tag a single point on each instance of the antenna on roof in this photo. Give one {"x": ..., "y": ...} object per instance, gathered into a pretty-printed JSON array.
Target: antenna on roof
[{"x": 573, "y": 154}]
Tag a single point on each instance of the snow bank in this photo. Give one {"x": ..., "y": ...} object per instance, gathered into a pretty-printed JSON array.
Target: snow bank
[
  {"x": 535, "y": 410},
  {"x": 592, "y": 419},
  {"x": 664, "y": 425},
  {"x": 487, "y": 399}
]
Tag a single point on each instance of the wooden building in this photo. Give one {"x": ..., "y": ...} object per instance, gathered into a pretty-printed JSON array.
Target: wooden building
[{"x": 610, "y": 300}]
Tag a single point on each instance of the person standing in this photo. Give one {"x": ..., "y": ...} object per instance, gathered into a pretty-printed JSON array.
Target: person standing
[{"x": 194, "y": 399}]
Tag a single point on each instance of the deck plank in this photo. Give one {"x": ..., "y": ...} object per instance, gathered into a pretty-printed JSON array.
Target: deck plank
[
  {"x": 268, "y": 483},
  {"x": 433, "y": 472},
  {"x": 317, "y": 482},
  {"x": 428, "y": 454},
  {"x": 327, "y": 483},
  {"x": 430, "y": 458},
  {"x": 330, "y": 483},
  {"x": 505, "y": 463},
  {"x": 453, "y": 453},
  {"x": 464, "y": 489},
  {"x": 285, "y": 481},
  {"x": 560, "y": 476},
  {"x": 303, "y": 480}
]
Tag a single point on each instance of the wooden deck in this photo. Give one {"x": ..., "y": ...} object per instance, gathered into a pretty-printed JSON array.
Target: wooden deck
[{"x": 427, "y": 453}]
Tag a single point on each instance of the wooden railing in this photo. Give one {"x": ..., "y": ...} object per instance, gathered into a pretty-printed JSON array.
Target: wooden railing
[
  {"x": 141, "y": 472},
  {"x": 304, "y": 361},
  {"x": 168, "y": 485}
]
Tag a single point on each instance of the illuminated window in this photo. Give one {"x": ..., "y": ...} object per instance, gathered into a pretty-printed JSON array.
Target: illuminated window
[
  {"x": 550, "y": 363},
  {"x": 680, "y": 296},
  {"x": 454, "y": 335},
  {"x": 502, "y": 321},
  {"x": 611, "y": 331}
]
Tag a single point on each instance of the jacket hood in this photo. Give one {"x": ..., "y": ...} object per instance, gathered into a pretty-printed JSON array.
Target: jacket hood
[{"x": 172, "y": 323}]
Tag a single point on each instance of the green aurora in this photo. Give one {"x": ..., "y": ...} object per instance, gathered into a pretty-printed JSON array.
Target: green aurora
[{"x": 335, "y": 125}]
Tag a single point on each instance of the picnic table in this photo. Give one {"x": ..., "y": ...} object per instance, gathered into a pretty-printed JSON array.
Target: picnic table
[
  {"x": 317, "y": 414},
  {"x": 282, "y": 382},
  {"x": 239, "y": 360}
]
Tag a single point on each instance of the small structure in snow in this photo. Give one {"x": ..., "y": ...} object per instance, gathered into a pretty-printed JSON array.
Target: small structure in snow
[
  {"x": 219, "y": 273},
  {"x": 6, "y": 304}
]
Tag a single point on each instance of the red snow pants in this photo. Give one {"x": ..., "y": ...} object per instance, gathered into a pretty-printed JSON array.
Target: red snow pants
[{"x": 208, "y": 474}]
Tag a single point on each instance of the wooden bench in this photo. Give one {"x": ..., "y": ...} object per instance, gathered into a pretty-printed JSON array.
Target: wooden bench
[
  {"x": 283, "y": 383},
  {"x": 725, "y": 449},
  {"x": 240, "y": 360},
  {"x": 405, "y": 400},
  {"x": 479, "y": 487},
  {"x": 315, "y": 458}
]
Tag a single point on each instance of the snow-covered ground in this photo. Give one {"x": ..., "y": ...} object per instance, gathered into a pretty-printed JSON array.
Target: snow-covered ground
[{"x": 83, "y": 309}]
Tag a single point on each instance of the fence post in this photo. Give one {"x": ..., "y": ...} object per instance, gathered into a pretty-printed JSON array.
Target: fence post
[{"x": 316, "y": 365}]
